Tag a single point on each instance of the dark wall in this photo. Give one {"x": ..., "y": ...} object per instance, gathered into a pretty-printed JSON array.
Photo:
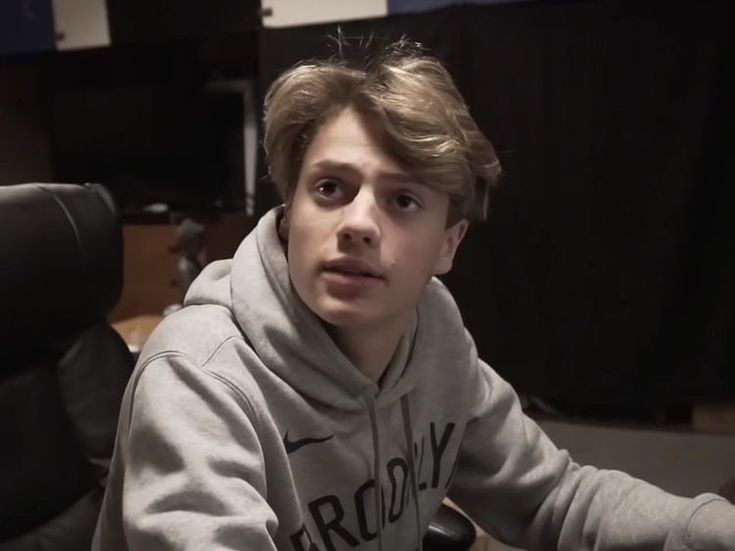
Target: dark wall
[
  {"x": 604, "y": 275},
  {"x": 140, "y": 20},
  {"x": 25, "y": 122}
]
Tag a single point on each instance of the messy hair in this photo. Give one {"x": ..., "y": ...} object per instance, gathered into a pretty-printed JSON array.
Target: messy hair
[{"x": 426, "y": 124}]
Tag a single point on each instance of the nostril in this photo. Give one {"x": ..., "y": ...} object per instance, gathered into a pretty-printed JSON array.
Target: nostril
[{"x": 353, "y": 233}]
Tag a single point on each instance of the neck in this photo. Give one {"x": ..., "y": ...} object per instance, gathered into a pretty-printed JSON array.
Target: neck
[{"x": 370, "y": 349}]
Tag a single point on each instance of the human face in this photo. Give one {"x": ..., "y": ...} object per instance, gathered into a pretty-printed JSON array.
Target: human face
[{"x": 364, "y": 238}]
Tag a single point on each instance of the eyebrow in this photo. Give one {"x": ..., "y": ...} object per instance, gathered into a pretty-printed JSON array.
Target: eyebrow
[{"x": 348, "y": 168}]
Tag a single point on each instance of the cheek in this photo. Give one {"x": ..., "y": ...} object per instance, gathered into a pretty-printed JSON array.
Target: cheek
[
  {"x": 295, "y": 248},
  {"x": 415, "y": 258},
  {"x": 298, "y": 271},
  {"x": 304, "y": 243}
]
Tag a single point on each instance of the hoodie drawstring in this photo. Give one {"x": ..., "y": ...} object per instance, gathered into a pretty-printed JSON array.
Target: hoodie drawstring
[
  {"x": 408, "y": 432},
  {"x": 377, "y": 462}
]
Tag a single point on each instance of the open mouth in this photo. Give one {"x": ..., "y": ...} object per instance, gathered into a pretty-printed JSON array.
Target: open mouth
[
  {"x": 350, "y": 267},
  {"x": 352, "y": 272}
]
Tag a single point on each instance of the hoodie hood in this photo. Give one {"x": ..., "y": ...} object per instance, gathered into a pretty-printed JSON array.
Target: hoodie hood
[
  {"x": 292, "y": 342},
  {"x": 216, "y": 446},
  {"x": 286, "y": 335}
]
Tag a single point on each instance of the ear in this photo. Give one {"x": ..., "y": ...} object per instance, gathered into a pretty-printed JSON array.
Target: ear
[
  {"x": 283, "y": 224},
  {"x": 450, "y": 243}
]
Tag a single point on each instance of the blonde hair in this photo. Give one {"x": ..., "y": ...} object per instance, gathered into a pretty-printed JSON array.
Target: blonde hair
[{"x": 426, "y": 123}]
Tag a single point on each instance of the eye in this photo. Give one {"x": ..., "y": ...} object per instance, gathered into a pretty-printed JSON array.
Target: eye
[
  {"x": 406, "y": 203},
  {"x": 329, "y": 189}
]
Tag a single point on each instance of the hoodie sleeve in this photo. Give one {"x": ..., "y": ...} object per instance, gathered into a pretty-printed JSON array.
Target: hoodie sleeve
[
  {"x": 514, "y": 482},
  {"x": 194, "y": 467}
]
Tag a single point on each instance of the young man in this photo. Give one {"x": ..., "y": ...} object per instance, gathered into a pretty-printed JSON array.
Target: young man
[{"x": 319, "y": 391}]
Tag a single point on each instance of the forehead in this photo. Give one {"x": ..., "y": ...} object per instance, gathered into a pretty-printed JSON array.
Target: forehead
[{"x": 352, "y": 142}]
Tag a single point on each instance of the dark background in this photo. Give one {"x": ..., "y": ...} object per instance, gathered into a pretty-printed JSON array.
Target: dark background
[{"x": 602, "y": 281}]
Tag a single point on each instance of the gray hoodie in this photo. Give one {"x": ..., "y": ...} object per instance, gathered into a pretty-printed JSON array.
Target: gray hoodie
[{"x": 245, "y": 427}]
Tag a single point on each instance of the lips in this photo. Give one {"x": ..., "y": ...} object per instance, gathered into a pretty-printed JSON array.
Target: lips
[{"x": 352, "y": 267}]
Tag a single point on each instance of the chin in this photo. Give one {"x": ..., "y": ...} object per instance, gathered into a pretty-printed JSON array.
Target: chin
[{"x": 344, "y": 317}]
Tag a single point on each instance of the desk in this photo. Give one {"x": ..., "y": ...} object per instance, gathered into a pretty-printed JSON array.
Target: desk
[{"x": 136, "y": 330}]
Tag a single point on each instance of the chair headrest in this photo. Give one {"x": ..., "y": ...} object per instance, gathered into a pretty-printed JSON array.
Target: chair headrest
[{"x": 60, "y": 261}]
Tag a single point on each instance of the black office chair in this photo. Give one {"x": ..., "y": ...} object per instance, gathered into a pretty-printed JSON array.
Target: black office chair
[
  {"x": 449, "y": 531},
  {"x": 63, "y": 369}
]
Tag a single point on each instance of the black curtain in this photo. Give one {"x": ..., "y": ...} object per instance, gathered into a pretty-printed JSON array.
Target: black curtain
[{"x": 604, "y": 276}]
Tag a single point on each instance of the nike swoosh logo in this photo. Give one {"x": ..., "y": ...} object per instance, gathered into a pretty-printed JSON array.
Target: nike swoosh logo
[{"x": 293, "y": 445}]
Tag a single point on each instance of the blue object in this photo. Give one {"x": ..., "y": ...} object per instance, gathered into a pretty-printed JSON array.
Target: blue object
[
  {"x": 26, "y": 26},
  {"x": 413, "y": 6}
]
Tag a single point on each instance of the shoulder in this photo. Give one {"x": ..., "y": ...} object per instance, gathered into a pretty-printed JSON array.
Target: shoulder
[
  {"x": 200, "y": 347},
  {"x": 206, "y": 338},
  {"x": 195, "y": 332},
  {"x": 439, "y": 315},
  {"x": 444, "y": 348}
]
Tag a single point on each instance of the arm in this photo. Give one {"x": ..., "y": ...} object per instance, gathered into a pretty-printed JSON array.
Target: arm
[
  {"x": 518, "y": 486},
  {"x": 194, "y": 467}
]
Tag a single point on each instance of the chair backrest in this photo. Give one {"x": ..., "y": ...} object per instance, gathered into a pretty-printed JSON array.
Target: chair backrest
[{"x": 63, "y": 369}]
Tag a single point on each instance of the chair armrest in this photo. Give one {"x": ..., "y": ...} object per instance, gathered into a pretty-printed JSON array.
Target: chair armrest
[{"x": 449, "y": 531}]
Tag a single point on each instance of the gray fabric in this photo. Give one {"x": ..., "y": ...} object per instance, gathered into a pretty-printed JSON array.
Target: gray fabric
[{"x": 211, "y": 451}]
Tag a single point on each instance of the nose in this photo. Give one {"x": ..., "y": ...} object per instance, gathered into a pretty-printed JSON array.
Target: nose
[{"x": 360, "y": 223}]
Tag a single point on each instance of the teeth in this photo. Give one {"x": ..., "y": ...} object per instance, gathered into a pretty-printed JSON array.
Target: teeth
[{"x": 353, "y": 271}]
